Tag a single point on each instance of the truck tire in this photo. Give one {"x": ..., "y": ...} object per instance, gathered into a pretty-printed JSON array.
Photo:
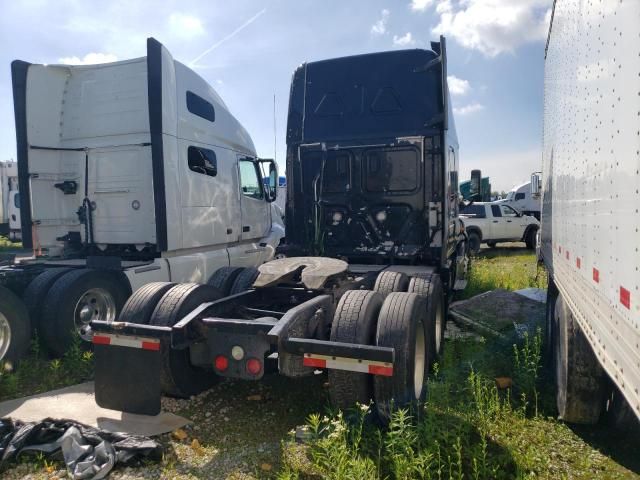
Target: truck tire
[
  {"x": 354, "y": 321},
  {"x": 178, "y": 377},
  {"x": 245, "y": 280},
  {"x": 142, "y": 303},
  {"x": 402, "y": 325},
  {"x": 37, "y": 290},
  {"x": 580, "y": 380},
  {"x": 388, "y": 282},
  {"x": 491, "y": 244},
  {"x": 431, "y": 289},
  {"x": 75, "y": 299},
  {"x": 15, "y": 327},
  {"x": 474, "y": 242},
  {"x": 530, "y": 238},
  {"x": 224, "y": 278}
]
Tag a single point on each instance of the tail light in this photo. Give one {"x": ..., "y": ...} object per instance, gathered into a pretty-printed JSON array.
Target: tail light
[
  {"x": 221, "y": 363},
  {"x": 254, "y": 366}
]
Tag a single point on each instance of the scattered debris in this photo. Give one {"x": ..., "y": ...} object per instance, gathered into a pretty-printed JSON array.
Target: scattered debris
[
  {"x": 255, "y": 398},
  {"x": 179, "y": 434}
]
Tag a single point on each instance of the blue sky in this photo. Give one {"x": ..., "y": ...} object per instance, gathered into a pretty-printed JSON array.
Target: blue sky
[{"x": 248, "y": 49}]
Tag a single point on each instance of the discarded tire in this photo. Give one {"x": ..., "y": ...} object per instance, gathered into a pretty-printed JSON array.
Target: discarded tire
[
  {"x": 37, "y": 290},
  {"x": 140, "y": 306},
  {"x": 224, "y": 278},
  {"x": 15, "y": 327},
  {"x": 388, "y": 282},
  {"x": 431, "y": 289},
  {"x": 178, "y": 377},
  {"x": 244, "y": 281},
  {"x": 354, "y": 321},
  {"x": 402, "y": 326},
  {"x": 580, "y": 380}
]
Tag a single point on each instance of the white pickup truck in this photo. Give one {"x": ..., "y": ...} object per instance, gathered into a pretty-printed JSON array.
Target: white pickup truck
[{"x": 491, "y": 223}]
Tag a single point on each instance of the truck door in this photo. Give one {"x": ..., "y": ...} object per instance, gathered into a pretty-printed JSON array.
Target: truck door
[
  {"x": 255, "y": 214},
  {"x": 512, "y": 222}
]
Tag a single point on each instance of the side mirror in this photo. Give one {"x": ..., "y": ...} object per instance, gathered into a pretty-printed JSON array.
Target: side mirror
[
  {"x": 535, "y": 183},
  {"x": 272, "y": 184}
]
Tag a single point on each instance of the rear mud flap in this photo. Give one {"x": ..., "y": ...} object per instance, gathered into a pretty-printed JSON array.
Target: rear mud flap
[{"x": 127, "y": 379}]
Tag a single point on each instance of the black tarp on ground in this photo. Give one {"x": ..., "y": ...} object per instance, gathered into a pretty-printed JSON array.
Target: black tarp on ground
[{"x": 89, "y": 453}]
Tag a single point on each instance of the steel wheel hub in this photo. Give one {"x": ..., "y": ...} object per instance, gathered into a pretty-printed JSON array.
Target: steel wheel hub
[
  {"x": 95, "y": 304},
  {"x": 5, "y": 335},
  {"x": 419, "y": 361},
  {"x": 439, "y": 328}
]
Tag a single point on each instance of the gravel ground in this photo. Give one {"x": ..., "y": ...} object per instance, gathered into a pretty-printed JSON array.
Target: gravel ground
[{"x": 236, "y": 432}]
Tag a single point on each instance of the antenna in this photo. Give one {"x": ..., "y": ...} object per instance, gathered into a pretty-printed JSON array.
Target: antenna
[{"x": 275, "y": 144}]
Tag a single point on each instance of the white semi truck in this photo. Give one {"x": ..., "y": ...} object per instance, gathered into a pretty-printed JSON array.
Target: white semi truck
[
  {"x": 524, "y": 200},
  {"x": 9, "y": 200},
  {"x": 590, "y": 219},
  {"x": 130, "y": 172}
]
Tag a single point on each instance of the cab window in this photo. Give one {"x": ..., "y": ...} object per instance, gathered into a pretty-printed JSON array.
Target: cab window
[
  {"x": 508, "y": 211},
  {"x": 392, "y": 170},
  {"x": 495, "y": 210},
  {"x": 202, "y": 160},
  {"x": 16, "y": 200},
  {"x": 336, "y": 176},
  {"x": 250, "y": 180},
  {"x": 520, "y": 196}
]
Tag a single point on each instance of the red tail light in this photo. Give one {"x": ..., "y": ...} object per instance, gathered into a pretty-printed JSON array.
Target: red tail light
[
  {"x": 221, "y": 363},
  {"x": 254, "y": 366}
]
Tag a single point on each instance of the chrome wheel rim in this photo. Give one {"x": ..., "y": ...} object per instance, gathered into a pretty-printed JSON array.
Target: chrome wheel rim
[
  {"x": 439, "y": 328},
  {"x": 94, "y": 304},
  {"x": 5, "y": 335},
  {"x": 419, "y": 361}
]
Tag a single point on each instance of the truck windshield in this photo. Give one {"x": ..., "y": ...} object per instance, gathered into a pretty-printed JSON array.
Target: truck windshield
[{"x": 391, "y": 170}]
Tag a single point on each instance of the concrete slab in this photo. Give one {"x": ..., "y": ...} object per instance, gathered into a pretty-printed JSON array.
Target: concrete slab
[
  {"x": 78, "y": 403},
  {"x": 499, "y": 313}
]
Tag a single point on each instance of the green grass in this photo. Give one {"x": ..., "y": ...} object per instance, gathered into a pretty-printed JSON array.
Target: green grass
[
  {"x": 37, "y": 373},
  {"x": 507, "y": 268},
  {"x": 6, "y": 244}
]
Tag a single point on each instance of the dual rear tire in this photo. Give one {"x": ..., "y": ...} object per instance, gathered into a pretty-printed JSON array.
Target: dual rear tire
[{"x": 412, "y": 323}]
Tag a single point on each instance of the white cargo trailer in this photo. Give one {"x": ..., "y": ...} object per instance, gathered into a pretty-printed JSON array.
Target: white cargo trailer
[
  {"x": 130, "y": 172},
  {"x": 590, "y": 220}
]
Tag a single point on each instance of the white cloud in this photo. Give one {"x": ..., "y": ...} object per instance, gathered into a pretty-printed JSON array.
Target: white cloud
[
  {"x": 380, "y": 27},
  {"x": 89, "y": 59},
  {"x": 493, "y": 26},
  {"x": 468, "y": 109},
  {"x": 404, "y": 40},
  {"x": 420, "y": 5},
  {"x": 183, "y": 25},
  {"x": 458, "y": 86}
]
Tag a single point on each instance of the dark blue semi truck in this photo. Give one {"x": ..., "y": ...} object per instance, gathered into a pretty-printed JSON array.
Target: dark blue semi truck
[{"x": 374, "y": 249}]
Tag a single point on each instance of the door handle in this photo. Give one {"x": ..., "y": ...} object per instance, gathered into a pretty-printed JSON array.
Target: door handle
[
  {"x": 495, "y": 221},
  {"x": 246, "y": 228},
  {"x": 508, "y": 221}
]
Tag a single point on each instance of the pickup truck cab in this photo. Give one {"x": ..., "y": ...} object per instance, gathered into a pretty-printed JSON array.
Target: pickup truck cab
[{"x": 490, "y": 223}]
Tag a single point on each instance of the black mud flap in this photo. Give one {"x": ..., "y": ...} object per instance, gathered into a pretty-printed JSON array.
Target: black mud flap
[{"x": 127, "y": 378}]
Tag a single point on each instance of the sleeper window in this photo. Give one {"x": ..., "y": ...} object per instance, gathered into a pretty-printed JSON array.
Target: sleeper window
[
  {"x": 200, "y": 107},
  {"x": 202, "y": 160}
]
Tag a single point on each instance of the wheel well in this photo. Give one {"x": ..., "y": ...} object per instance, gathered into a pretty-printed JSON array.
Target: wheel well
[
  {"x": 475, "y": 230},
  {"x": 528, "y": 229}
]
